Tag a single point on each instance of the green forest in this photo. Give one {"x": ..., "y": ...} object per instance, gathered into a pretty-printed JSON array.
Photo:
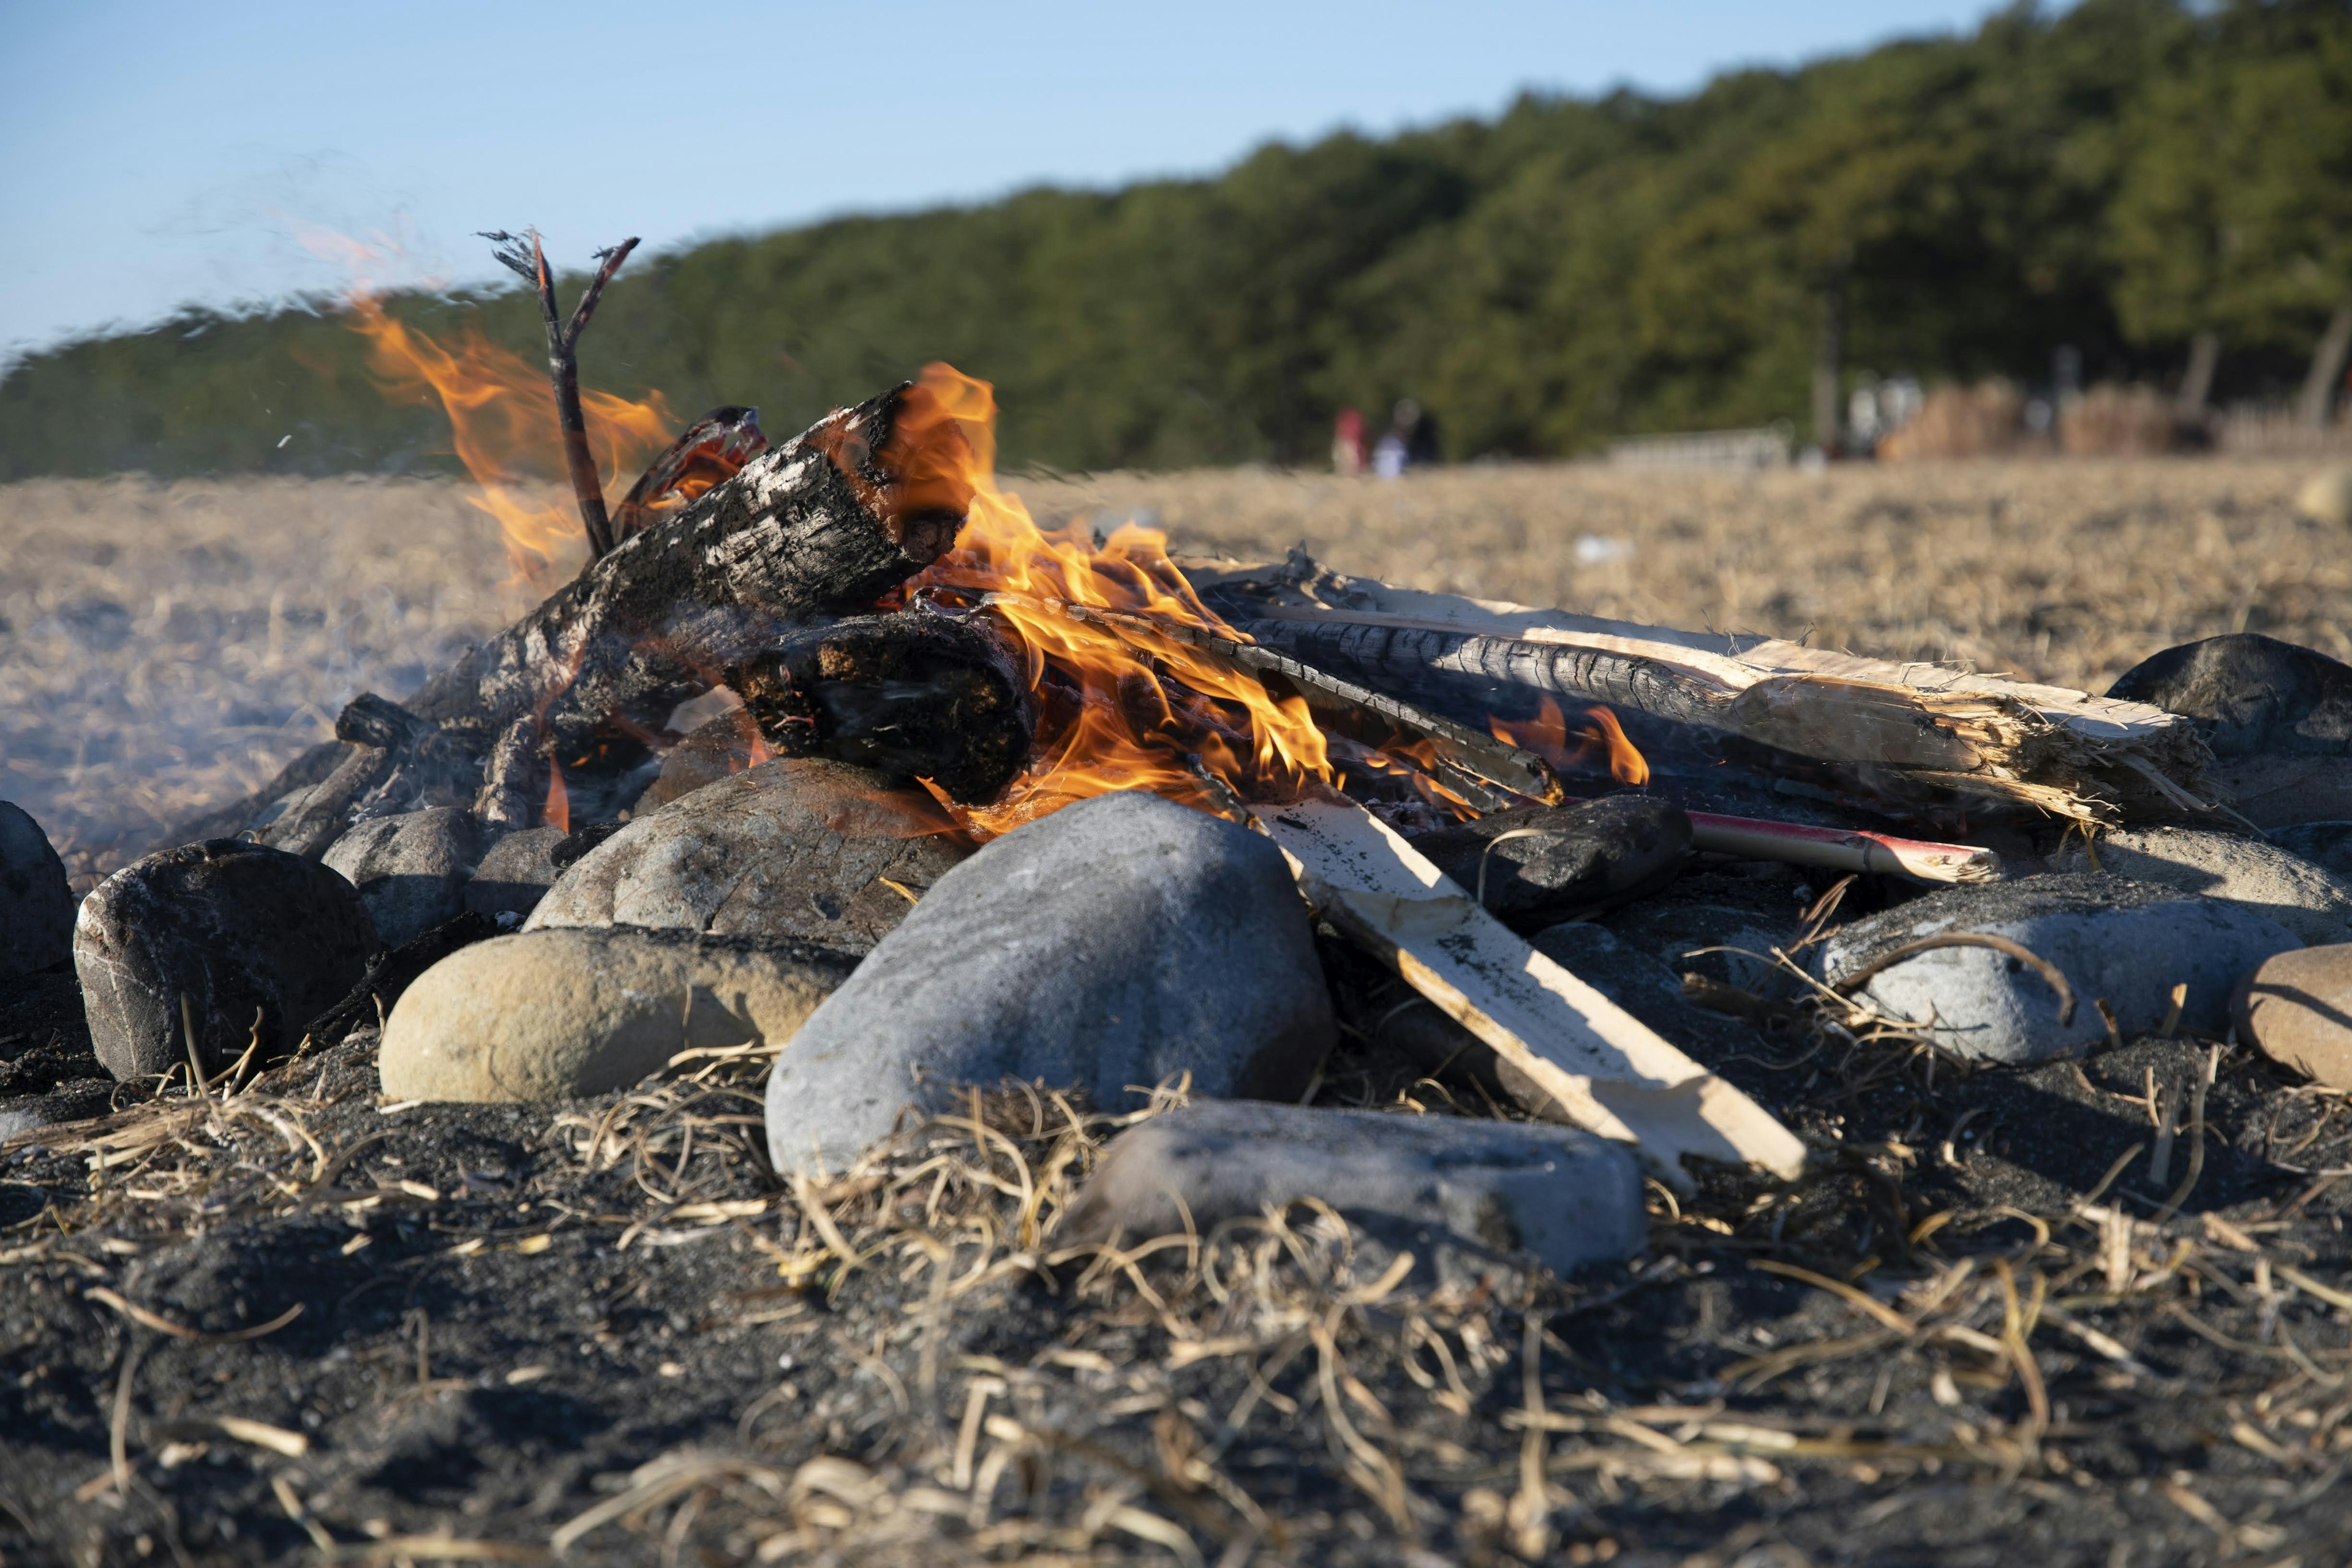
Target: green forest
[{"x": 2125, "y": 178}]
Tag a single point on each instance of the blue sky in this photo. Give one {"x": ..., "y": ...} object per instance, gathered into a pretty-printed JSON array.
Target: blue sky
[{"x": 152, "y": 154}]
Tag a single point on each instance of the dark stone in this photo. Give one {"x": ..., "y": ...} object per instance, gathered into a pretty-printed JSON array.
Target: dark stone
[
  {"x": 515, "y": 874},
  {"x": 2283, "y": 790},
  {"x": 37, "y": 902},
  {"x": 411, "y": 869},
  {"x": 1122, "y": 941},
  {"x": 252, "y": 938},
  {"x": 2251, "y": 694},
  {"x": 724, "y": 746},
  {"x": 1455, "y": 1190},
  {"x": 2113, "y": 939},
  {"x": 2327, "y": 844},
  {"x": 1544, "y": 865}
]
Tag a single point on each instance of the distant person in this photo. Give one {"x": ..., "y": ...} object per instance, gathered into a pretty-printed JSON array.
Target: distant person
[
  {"x": 1410, "y": 440},
  {"x": 1348, "y": 443}
]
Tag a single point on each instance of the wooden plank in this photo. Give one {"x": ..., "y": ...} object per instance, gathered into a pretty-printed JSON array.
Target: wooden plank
[{"x": 1597, "y": 1066}]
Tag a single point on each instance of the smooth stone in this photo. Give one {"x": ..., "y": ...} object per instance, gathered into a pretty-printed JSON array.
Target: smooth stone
[
  {"x": 796, "y": 849},
  {"x": 2283, "y": 791},
  {"x": 2327, "y": 496},
  {"x": 1543, "y": 864},
  {"x": 552, "y": 1015},
  {"x": 2297, "y": 1009},
  {"x": 2326, "y": 845},
  {"x": 411, "y": 869},
  {"x": 1455, "y": 1190},
  {"x": 1121, "y": 942},
  {"x": 721, "y": 747},
  {"x": 2312, "y": 902},
  {"x": 2251, "y": 694},
  {"x": 241, "y": 931},
  {"x": 2113, "y": 938},
  {"x": 514, "y": 875},
  {"x": 37, "y": 902}
]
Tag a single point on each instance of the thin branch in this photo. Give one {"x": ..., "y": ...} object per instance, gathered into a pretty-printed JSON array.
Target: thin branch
[{"x": 527, "y": 259}]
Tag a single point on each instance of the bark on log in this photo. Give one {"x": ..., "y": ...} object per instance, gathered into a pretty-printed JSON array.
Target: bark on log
[{"x": 818, "y": 527}]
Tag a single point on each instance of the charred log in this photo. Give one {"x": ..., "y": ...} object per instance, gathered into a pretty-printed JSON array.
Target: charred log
[
  {"x": 820, "y": 526},
  {"x": 914, "y": 695},
  {"x": 712, "y": 450}
]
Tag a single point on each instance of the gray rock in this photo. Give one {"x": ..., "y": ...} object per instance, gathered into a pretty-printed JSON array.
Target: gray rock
[
  {"x": 253, "y": 939},
  {"x": 797, "y": 849},
  {"x": 2251, "y": 694},
  {"x": 37, "y": 903},
  {"x": 1455, "y": 1190},
  {"x": 515, "y": 874},
  {"x": 2326, "y": 845},
  {"x": 2273, "y": 791},
  {"x": 411, "y": 869},
  {"x": 1120, "y": 942},
  {"x": 552, "y": 1015},
  {"x": 2312, "y": 902},
  {"x": 720, "y": 748},
  {"x": 1543, "y": 864},
  {"x": 2113, "y": 938}
]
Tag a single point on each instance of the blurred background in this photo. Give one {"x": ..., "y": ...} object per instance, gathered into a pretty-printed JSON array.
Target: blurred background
[{"x": 1194, "y": 237}]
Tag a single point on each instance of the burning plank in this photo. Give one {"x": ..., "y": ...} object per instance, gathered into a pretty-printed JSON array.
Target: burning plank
[
  {"x": 1908, "y": 732},
  {"x": 1590, "y": 1061}
]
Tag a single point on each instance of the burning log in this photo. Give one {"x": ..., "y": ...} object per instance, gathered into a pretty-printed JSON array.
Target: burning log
[
  {"x": 820, "y": 526},
  {"x": 711, "y": 450},
  {"x": 1911, "y": 735},
  {"x": 917, "y": 695}
]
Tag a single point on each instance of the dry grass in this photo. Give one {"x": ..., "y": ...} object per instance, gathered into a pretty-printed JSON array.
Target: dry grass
[{"x": 165, "y": 648}]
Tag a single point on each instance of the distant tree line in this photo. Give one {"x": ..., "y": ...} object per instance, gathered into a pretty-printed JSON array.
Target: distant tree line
[{"x": 2164, "y": 189}]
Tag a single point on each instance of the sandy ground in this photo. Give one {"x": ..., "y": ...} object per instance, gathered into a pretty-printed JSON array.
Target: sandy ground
[{"x": 165, "y": 648}]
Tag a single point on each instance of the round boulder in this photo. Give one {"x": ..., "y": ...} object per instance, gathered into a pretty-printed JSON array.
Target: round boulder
[
  {"x": 549, "y": 1014},
  {"x": 2297, "y": 1009},
  {"x": 1119, "y": 942},
  {"x": 796, "y": 849},
  {"x": 252, "y": 939},
  {"x": 2309, "y": 900},
  {"x": 411, "y": 869}
]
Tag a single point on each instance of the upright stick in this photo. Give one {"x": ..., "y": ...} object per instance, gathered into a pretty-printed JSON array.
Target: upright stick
[{"x": 564, "y": 366}]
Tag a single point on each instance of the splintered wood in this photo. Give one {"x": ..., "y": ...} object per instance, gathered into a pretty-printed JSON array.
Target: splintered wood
[
  {"x": 1900, "y": 731},
  {"x": 1595, "y": 1063}
]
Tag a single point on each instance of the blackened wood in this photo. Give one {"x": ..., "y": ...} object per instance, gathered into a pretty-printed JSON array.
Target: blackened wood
[
  {"x": 712, "y": 450},
  {"x": 563, "y": 367},
  {"x": 914, "y": 695},
  {"x": 819, "y": 527}
]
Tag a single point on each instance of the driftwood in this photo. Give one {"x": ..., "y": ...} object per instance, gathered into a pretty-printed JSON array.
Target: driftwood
[
  {"x": 1568, "y": 1052},
  {"x": 1910, "y": 735},
  {"x": 917, "y": 695}
]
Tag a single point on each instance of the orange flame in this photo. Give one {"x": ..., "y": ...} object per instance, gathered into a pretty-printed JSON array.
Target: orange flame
[
  {"x": 558, "y": 814},
  {"x": 1548, "y": 735},
  {"x": 501, "y": 412},
  {"x": 1122, "y": 708}
]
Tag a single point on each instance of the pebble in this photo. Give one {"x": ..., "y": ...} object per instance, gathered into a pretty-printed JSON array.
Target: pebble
[
  {"x": 1543, "y": 864},
  {"x": 797, "y": 849},
  {"x": 2253, "y": 695},
  {"x": 2297, "y": 1009},
  {"x": 411, "y": 868},
  {"x": 2314, "y": 903},
  {"x": 1121, "y": 942},
  {"x": 552, "y": 1015},
  {"x": 37, "y": 903},
  {"x": 235, "y": 929},
  {"x": 1455, "y": 1190},
  {"x": 2128, "y": 942},
  {"x": 2327, "y": 496}
]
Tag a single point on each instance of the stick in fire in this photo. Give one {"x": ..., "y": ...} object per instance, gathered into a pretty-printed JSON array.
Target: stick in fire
[{"x": 563, "y": 364}]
